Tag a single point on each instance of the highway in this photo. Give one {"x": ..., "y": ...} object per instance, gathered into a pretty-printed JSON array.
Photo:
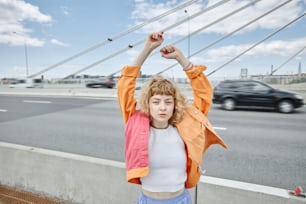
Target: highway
[{"x": 266, "y": 148}]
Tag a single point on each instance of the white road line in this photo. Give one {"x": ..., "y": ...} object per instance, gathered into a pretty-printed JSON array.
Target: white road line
[
  {"x": 3, "y": 110},
  {"x": 220, "y": 128},
  {"x": 29, "y": 101}
]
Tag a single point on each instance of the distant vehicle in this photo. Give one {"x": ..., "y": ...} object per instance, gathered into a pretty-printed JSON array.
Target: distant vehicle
[
  {"x": 107, "y": 82},
  {"x": 27, "y": 83},
  {"x": 233, "y": 94}
]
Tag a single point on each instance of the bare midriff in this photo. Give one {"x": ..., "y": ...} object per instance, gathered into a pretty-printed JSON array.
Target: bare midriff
[{"x": 162, "y": 195}]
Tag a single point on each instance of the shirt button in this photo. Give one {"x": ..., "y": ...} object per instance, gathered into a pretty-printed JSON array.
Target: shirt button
[{"x": 196, "y": 112}]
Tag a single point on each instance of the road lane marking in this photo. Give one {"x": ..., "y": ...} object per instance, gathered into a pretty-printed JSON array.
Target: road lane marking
[
  {"x": 3, "y": 110},
  {"x": 220, "y": 128},
  {"x": 30, "y": 101}
]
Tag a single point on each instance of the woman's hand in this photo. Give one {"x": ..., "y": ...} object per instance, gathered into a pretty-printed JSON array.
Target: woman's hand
[
  {"x": 171, "y": 52},
  {"x": 154, "y": 40}
]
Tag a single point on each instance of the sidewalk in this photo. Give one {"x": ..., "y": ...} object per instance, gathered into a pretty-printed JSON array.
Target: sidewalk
[{"x": 14, "y": 196}]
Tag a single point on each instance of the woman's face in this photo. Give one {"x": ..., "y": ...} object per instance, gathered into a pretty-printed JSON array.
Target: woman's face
[{"x": 161, "y": 110}]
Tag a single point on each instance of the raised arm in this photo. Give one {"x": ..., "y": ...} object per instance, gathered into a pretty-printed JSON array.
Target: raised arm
[
  {"x": 171, "y": 52},
  {"x": 153, "y": 41},
  {"x": 127, "y": 81},
  {"x": 202, "y": 90}
]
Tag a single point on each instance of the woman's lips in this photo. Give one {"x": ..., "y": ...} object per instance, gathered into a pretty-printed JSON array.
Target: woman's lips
[{"x": 162, "y": 115}]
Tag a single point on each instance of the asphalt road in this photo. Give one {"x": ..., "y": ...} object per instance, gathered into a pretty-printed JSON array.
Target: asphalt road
[{"x": 265, "y": 148}]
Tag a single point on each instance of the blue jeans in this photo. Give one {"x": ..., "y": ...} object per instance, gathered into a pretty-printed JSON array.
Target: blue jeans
[{"x": 183, "y": 198}]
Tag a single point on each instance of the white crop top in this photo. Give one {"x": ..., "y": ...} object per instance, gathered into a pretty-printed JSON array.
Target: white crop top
[{"x": 167, "y": 160}]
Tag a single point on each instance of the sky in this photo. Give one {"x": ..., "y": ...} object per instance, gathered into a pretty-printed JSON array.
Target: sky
[{"x": 35, "y": 35}]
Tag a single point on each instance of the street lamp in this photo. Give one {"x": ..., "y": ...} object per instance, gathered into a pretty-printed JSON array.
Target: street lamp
[
  {"x": 25, "y": 55},
  {"x": 188, "y": 33}
]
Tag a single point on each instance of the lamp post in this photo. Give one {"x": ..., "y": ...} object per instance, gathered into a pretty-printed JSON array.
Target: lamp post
[
  {"x": 196, "y": 188},
  {"x": 25, "y": 55},
  {"x": 188, "y": 32}
]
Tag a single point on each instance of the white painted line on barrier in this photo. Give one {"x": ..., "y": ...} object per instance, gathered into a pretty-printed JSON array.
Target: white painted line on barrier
[
  {"x": 220, "y": 128},
  {"x": 245, "y": 186},
  {"x": 30, "y": 101},
  {"x": 59, "y": 154},
  {"x": 3, "y": 110}
]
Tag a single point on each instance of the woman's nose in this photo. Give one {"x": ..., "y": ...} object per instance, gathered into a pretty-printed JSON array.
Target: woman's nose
[{"x": 162, "y": 106}]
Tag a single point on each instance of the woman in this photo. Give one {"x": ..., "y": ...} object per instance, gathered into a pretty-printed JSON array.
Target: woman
[{"x": 166, "y": 138}]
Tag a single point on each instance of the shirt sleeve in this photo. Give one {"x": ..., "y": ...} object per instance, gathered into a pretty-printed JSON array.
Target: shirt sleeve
[
  {"x": 202, "y": 89},
  {"x": 126, "y": 89}
]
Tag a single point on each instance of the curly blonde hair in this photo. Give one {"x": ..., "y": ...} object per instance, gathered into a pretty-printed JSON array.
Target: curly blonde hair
[{"x": 162, "y": 86}]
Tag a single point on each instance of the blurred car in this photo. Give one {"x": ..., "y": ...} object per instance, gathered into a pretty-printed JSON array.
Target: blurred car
[
  {"x": 27, "y": 83},
  {"x": 107, "y": 82},
  {"x": 233, "y": 94}
]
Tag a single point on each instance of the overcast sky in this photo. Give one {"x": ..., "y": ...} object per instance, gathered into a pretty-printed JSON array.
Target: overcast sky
[{"x": 51, "y": 31}]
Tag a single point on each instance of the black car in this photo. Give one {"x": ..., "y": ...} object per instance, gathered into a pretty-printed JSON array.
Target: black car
[
  {"x": 107, "y": 82},
  {"x": 233, "y": 94}
]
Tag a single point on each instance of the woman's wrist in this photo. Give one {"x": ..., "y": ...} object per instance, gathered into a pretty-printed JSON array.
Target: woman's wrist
[
  {"x": 188, "y": 67},
  {"x": 142, "y": 56},
  {"x": 182, "y": 60}
]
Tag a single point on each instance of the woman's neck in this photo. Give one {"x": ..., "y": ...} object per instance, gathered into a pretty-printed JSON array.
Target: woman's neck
[{"x": 160, "y": 126}]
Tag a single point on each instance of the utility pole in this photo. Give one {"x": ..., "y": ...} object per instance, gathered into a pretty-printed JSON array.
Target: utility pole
[
  {"x": 26, "y": 57},
  {"x": 25, "y": 53},
  {"x": 188, "y": 33},
  {"x": 300, "y": 70},
  {"x": 188, "y": 56}
]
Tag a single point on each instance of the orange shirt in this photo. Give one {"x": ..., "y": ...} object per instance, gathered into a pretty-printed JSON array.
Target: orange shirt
[{"x": 194, "y": 128}]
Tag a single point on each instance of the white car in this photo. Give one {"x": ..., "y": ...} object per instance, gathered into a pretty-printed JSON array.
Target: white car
[{"x": 27, "y": 83}]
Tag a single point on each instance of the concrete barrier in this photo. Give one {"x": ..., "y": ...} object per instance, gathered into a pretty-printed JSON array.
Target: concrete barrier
[{"x": 88, "y": 180}]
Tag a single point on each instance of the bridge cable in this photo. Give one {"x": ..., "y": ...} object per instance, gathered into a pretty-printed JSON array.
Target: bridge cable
[
  {"x": 115, "y": 37},
  {"x": 290, "y": 58},
  {"x": 256, "y": 44},
  {"x": 143, "y": 40},
  {"x": 152, "y": 20},
  {"x": 217, "y": 21},
  {"x": 229, "y": 34}
]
